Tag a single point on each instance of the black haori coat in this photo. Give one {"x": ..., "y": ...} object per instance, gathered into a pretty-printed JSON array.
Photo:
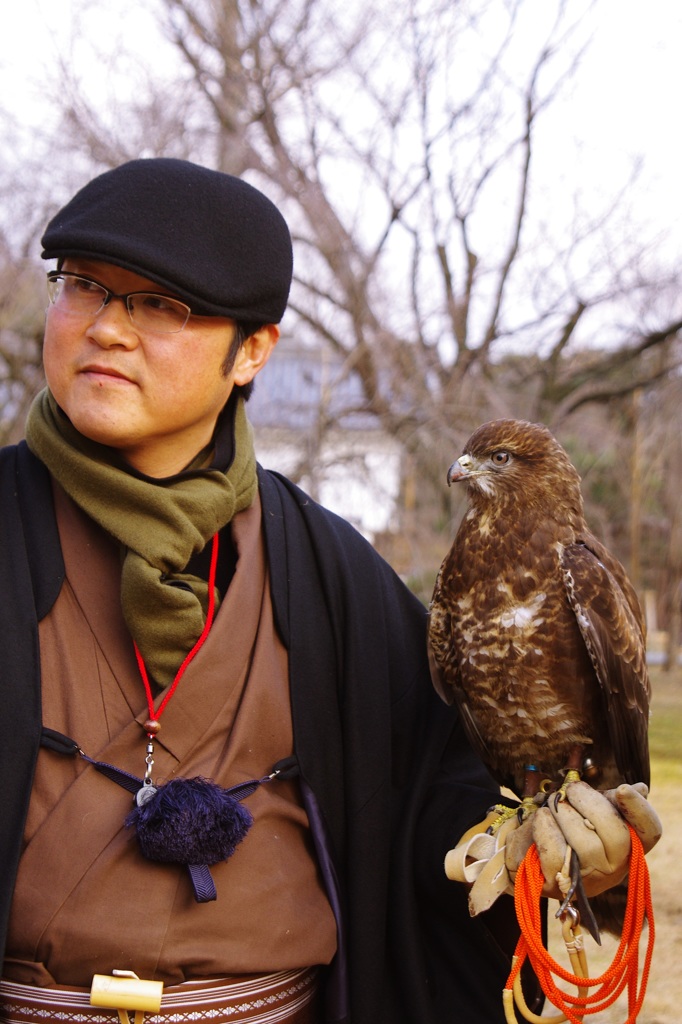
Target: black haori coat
[{"x": 388, "y": 779}]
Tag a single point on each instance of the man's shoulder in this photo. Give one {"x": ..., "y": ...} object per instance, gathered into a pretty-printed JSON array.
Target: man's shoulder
[
  {"x": 8, "y": 456},
  {"x": 295, "y": 522},
  {"x": 9, "y": 468},
  {"x": 20, "y": 455},
  {"x": 22, "y": 475},
  {"x": 278, "y": 489},
  {"x": 31, "y": 550},
  {"x": 289, "y": 511}
]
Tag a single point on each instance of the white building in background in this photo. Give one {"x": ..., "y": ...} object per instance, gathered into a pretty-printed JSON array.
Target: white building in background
[{"x": 307, "y": 415}]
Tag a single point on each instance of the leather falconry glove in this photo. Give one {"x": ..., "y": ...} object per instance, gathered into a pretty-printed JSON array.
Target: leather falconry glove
[{"x": 592, "y": 823}]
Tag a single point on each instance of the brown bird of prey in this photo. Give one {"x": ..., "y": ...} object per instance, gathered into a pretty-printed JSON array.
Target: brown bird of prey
[{"x": 534, "y": 628}]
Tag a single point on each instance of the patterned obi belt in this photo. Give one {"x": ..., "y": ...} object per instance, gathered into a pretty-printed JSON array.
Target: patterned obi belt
[{"x": 288, "y": 997}]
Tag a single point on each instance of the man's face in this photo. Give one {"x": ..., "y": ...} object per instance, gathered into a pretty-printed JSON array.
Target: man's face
[{"x": 154, "y": 397}]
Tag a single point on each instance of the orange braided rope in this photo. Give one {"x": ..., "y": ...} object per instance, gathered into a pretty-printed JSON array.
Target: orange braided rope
[{"x": 624, "y": 969}]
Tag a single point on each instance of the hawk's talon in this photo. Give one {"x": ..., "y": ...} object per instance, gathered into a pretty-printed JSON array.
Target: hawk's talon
[
  {"x": 527, "y": 807},
  {"x": 504, "y": 813},
  {"x": 571, "y": 775}
]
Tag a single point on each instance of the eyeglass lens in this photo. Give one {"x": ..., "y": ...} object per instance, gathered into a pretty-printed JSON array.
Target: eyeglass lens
[{"x": 147, "y": 310}]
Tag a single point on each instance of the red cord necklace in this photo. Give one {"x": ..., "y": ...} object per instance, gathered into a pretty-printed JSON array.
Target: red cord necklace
[
  {"x": 152, "y": 726},
  {"x": 188, "y": 821}
]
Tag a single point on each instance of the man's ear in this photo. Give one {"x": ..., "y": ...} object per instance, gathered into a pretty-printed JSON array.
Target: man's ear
[{"x": 254, "y": 353}]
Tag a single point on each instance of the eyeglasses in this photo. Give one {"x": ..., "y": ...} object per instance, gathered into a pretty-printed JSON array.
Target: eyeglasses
[{"x": 81, "y": 296}]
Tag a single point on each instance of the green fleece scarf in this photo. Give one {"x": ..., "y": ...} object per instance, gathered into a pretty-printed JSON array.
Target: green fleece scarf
[{"x": 160, "y": 523}]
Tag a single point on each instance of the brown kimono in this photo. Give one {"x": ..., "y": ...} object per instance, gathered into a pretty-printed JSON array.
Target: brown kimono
[{"x": 271, "y": 912}]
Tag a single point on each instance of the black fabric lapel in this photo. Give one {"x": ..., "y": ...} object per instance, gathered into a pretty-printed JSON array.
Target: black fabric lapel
[{"x": 31, "y": 573}]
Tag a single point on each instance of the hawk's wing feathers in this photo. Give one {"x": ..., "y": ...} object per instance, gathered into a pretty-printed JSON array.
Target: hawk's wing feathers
[
  {"x": 612, "y": 629},
  {"x": 444, "y": 691},
  {"x": 440, "y": 647},
  {"x": 446, "y": 680}
]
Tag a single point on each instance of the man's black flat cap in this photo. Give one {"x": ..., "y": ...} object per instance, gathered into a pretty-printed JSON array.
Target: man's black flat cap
[{"x": 212, "y": 239}]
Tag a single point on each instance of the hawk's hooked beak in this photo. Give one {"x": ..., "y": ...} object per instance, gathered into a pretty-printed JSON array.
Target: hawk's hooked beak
[{"x": 461, "y": 469}]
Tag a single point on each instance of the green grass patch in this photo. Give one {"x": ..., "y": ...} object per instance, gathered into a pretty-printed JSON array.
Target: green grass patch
[
  {"x": 665, "y": 728},
  {"x": 665, "y": 732},
  {"x": 665, "y": 773}
]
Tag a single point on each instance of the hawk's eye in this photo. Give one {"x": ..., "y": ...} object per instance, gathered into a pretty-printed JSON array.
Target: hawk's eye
[{"x": 500, "y": 458}]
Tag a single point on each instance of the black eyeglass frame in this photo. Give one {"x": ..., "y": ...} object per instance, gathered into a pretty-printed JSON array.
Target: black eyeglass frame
[{"x": 54, "y": 276}]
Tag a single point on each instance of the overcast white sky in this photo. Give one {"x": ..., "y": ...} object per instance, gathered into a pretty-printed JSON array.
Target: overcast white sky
[{"x": 626, "y": 101}]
